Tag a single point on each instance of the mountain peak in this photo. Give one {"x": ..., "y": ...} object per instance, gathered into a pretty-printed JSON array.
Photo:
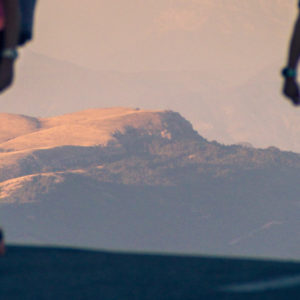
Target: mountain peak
[
  {"x": 12, "y": 125},
  {"x": 89, "y": 128}
]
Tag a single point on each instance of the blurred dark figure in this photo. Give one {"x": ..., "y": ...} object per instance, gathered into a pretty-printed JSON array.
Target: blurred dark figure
[
  {"x": 27, "y": 8},
  {"x": 10, "y": 19},
  {"x": 2, "y": 244},
  {"x": 291, "y": 87},
  {"x": 16, "y": 23}
]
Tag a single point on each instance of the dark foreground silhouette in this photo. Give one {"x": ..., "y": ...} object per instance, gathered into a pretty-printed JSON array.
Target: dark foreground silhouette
[{"x": 51, "y": 273}]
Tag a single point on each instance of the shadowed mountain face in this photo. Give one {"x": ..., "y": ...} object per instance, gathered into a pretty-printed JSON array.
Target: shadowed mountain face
[{"x": 144, "y": 180}]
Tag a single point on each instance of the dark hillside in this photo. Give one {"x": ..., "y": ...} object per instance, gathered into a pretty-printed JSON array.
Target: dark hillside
[
  {"x": 50, "y": 273},
  {"x": 128, "y": 179}
]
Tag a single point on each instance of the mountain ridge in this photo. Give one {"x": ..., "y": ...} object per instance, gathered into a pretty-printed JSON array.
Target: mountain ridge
[
  {"x": 155, "y": 185},
  {"x": 102, "y": 123},
  {"x": 239, "y": 43}
]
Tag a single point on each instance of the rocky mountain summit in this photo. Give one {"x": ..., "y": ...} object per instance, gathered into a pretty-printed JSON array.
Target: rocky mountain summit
[
  {"x": 85, "y": 142},
  {"x": 129, "y": 146},
  {"x": 144, "y": 180}
]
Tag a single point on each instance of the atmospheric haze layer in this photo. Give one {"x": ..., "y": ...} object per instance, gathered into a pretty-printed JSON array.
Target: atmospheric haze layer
[{"x": 216, "y": 62}]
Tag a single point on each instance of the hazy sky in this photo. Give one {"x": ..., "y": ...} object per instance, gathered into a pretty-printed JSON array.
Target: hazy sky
[
  {"x": 227, "y": 55},
  {"x": 136, "y": 35}
]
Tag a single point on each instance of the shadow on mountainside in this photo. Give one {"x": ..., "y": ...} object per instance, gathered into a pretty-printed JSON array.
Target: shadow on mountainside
[{"x": 187, "y": 219}]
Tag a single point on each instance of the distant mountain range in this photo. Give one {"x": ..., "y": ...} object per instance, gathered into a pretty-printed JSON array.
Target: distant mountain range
[
  {"x": 216, "y": 62},
  {"x": 250, "y": 111},
  {"x": 132, "y": 179}
]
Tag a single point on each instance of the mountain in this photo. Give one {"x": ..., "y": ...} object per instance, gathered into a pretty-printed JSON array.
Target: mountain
[
  {"x": 252, "y": 111},
  {"x": 130, "y": 179},
  {"x": 216, "y": 62}
]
